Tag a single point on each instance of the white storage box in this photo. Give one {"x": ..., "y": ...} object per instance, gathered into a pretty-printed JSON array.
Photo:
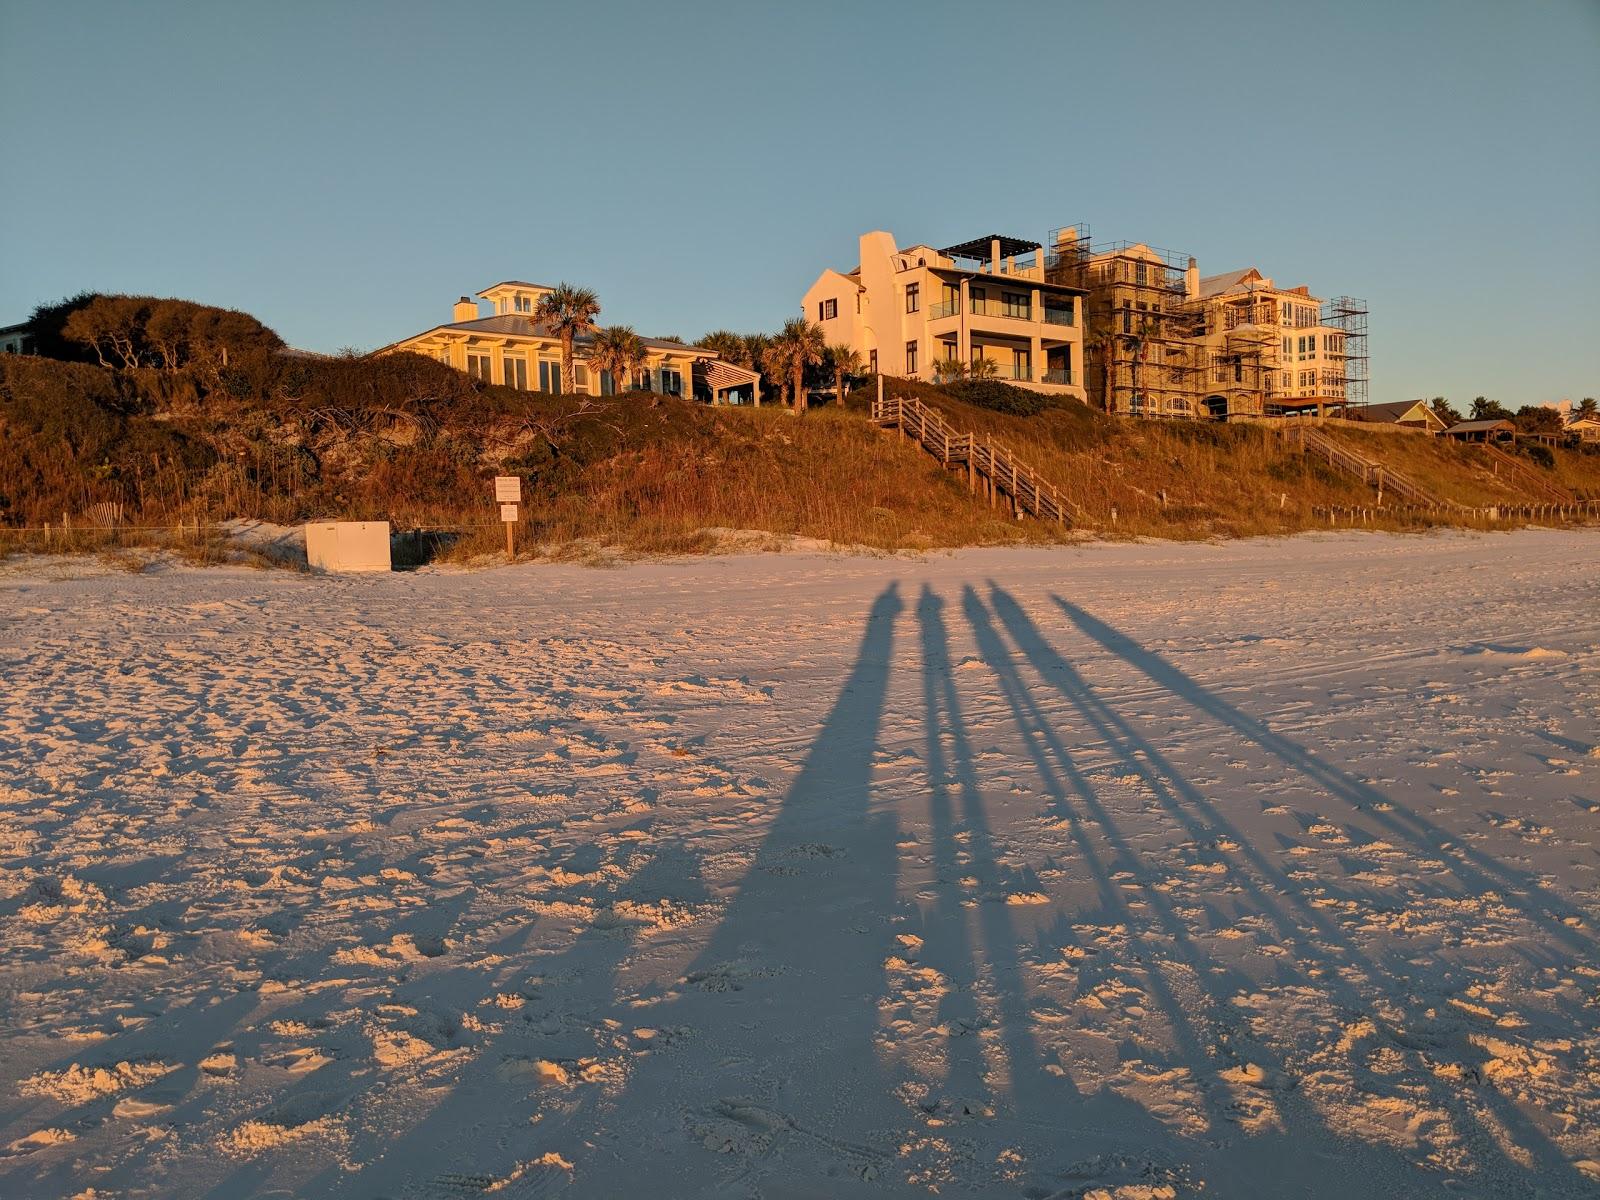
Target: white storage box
[{"x": 348, "y": 545}]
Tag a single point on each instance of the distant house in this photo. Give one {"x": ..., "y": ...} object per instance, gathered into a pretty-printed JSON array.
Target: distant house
[
  {"x": 16, "y": 339},
  {"x": 1483, "y": 431},
  {"x": 1413, "y": 414},
  {"x": 1585, "y": 429},
  {"x": 511, "y": 348}
]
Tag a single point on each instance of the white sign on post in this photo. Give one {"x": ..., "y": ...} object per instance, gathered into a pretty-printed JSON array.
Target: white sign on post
[
  {"x": 508, "y": 490},
  {"x": 508, "y": 513}
]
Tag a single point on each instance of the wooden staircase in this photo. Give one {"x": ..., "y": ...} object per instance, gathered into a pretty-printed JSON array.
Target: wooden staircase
[
  {"x": 1511, "y": 469},
  {"x": 1373, "y": 474},
  {"x": 988, "y": 464}
]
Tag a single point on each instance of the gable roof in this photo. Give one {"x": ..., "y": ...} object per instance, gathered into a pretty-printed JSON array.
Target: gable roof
[
  {"x": 1479, "y": 426},
  {"x": 1394, "y": 410},
  {"x": 1212, "y": 285},
  {"x": 515, "y": 283}
]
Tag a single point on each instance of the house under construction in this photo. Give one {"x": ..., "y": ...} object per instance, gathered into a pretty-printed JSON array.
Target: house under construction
[{"x": 1163, "y": 341}]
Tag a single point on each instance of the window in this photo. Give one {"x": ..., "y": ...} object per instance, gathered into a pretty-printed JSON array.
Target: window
[
  {"x": 1016, "y": 304},
  {"x": 949, "y": 351},
  {"x": 550, "y": 377},
  {"x": 522, "y": 304},
  {"x": 827, "y": 310},
  {"x": 872, "y": 361},
  {"x": 1021, "y": 364},
  {"x": 913, "y": 297},
  {"x": 1141, "y": 273},
  {"x": 911, "y": 358},
  {"x": 516, "y": 371},
  {"x": 481, "y": 366},
  {"x": 1287, "y": 347},
  {"x": 671, "y": 382}
]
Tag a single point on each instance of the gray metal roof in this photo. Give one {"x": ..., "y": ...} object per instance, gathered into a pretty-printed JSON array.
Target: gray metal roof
[
  {"x": 523, "y": 325},
  {"x": 1212, "y": 285}
]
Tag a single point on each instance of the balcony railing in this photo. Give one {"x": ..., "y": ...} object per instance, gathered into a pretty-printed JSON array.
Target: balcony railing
[
  {"x": 999, "y": 308},
  {"x": 1060, "y": 375},
  {"x": 947, "y": 308},
  {"x": 1059, "y": 316}
]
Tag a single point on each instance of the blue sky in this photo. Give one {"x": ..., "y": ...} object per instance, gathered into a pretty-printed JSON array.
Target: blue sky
[{"x": 344, "y": 171}]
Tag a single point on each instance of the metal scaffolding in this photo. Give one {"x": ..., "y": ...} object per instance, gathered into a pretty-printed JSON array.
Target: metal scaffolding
[{"x": 1348, "y": 314}]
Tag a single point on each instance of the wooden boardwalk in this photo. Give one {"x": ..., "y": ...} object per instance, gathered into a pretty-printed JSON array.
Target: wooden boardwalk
[
  {"x": 988, "y": 464},
  {"x": 1373, "y": 474},
  {"x": 1523, "y": 477}
]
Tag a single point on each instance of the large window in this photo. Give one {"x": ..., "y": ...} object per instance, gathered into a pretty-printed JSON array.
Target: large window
[
  {"x": 913, "y": 297},
  {"x": 1021, "y": 364},
  {"x": 516, "y": 369},
  {"x": 671, "y": 382},
  {"x": 481, "y": 366},
  {"x": 827, "y": 310},
  {"x": 872, "y": 361},
  {"x": 911, "y": 358},
  {"x": 550, "y": 377},
  {"x": 1017, "y": 304}
]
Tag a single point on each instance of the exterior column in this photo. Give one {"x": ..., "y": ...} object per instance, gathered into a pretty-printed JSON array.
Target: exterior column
[{"x": 964, "y": 328}]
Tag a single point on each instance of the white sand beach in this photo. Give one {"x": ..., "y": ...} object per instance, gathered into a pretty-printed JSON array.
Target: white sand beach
[{"x": 1256, "y": 869}]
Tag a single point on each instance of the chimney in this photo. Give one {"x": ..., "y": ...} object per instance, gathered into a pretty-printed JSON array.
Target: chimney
[
  {"x": 1191, "y": 281},
  {"x": 466, "y": 310}
]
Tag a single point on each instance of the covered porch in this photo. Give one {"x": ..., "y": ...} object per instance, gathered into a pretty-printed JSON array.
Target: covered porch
[{"x": 718, "y": 382}]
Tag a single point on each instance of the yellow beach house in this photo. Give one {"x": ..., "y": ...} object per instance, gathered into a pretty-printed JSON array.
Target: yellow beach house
[{"x": 511, "y": 348}]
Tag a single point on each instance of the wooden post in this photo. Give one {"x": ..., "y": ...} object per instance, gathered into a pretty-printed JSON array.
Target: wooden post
[
  {"x": 511, "y": 539},
  {"x": 972, "y": 467}
]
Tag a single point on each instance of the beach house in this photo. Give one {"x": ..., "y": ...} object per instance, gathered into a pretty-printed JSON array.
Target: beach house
[
  {"x": 509, "y": 346},
  {"x": 912, "y": 312}
]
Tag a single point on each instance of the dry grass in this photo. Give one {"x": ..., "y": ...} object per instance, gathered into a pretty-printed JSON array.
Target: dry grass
[{"x": 414, "y": 443}]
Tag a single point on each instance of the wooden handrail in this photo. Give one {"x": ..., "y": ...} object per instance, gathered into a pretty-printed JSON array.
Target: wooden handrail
[
  {"x": 1373, "y": 474},
  {"x": 1530, "y": 479},
  {"x": 998, "y": 468}
]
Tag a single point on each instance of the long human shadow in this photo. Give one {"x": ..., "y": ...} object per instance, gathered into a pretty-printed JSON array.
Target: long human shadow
[
  {"x": 1071, "y": 796},
  {"x": 1472, "y": 867},
  {"x": 1202, "y": 819},
  {"x": 948, "y": 943},
  {"x": 797, "y": 961}
]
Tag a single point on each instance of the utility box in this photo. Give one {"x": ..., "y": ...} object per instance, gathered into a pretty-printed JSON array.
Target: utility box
[{"x": 348, "y": 545}]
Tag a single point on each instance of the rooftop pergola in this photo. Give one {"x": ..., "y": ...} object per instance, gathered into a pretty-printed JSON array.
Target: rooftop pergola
[{"x": 983, "y": 248}]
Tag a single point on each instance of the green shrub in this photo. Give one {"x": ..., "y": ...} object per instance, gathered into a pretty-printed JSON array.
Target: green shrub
[
  {"x": 1542, "y": 456},
  {"x": 997, "y": 396}
]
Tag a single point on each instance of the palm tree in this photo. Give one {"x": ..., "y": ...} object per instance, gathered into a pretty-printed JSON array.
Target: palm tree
[
  {"x": 845, "y": 362},
  {"x": 983, "y": 367},
  {"x": 949, "y": 370},
  {"x": 569, "y": 313},
  {"x": 1139, "y": 342},
  {"x": 730, "y": 347},
  {"x": 1104, "y": 345},
  {"x": 617, "y": 349},
  {"x": 1587, "y": 408},
  {"x": 756, "y": 348},
  {"x": 799, "y": 345}
]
